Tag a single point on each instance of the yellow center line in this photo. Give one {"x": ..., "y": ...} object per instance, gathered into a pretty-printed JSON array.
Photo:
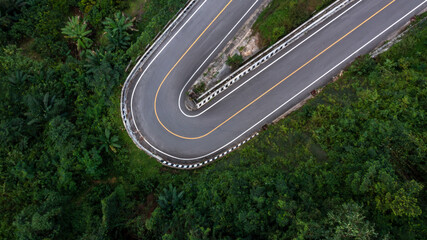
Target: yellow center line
[
  {"x": 167, "y": 75},
  {"x": 269, "y": 90}
]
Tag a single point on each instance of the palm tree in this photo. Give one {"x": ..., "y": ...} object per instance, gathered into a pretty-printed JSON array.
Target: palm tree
[
  {"x": 18, "y": 78},
  {"x": 96, "y": 59},
  {"x": 109, "y": 142},
  {"x": 77, "y": 31},
  {"x": 4, "y": 20},
  {"x": 117, "y": 30},
  {"x": 10, "y": 11},
  {"x": 12, "y": 7},
  {"x": 169, "y": 199},
  {"x": 16, "y": 83},
  {"x": 42, "y": 109}
]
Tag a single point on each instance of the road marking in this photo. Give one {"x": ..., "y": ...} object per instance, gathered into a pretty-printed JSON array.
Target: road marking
[
  {"x": 261, "y": 71},
  {"x": 167, "y": 75},
  {"x": 143, "y": 73},
  {"x": 210, "y": 55},
  {"x": 296, "y": 95},
  {"x": 266, "y": 92}
]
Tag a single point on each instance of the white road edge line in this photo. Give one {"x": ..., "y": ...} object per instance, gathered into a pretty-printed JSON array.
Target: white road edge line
[
  {"x": 210, "y": 55},
  {"x": 268, "y": 66},
  {"x": 354, "y": 53}
]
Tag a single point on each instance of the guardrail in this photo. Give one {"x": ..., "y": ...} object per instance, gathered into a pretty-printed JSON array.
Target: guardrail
[
  {"x": 263, "y": 56},
  {"x": 198, "y": 165}
]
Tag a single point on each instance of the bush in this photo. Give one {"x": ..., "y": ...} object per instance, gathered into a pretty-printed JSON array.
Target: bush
[
  {"x": 234, "y": 61},
  {"x": 282, "y": 16}
]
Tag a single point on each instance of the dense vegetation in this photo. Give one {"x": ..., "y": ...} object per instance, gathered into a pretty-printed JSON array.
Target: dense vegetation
[
  {"x": 351, "y": 164},
  {"x": 282, "y": 16},
  {"x": 61, "y": 66}
]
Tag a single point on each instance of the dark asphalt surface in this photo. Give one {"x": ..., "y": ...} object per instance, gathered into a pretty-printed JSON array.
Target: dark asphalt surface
[{"x": 268, "y": 107}]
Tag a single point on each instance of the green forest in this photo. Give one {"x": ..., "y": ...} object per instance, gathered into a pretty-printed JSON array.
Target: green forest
[{"x": 350, "y": 164}]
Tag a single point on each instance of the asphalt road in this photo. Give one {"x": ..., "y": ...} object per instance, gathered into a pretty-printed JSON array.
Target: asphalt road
[{"x": 184, "y": 137}]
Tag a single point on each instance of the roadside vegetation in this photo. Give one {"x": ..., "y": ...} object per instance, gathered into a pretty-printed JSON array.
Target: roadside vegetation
[
  {"x": 234, "y": 61},
  {"x": 351, "y": 164},
  {"x": 282, "y": 16},
  {"x": 63, "y": 149}
]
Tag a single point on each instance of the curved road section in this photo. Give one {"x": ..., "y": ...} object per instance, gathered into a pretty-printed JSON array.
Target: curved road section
[{"x": 183, "y": 139}]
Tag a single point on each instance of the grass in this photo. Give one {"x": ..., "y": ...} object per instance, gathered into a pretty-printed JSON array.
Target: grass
[
  {"x": 146, "y": 166},
  {"x": 138, "y": 160},
  {"x": 282, "y": 16},
  {"x": 28, "y": 51},
  {"x": 136, "y": 7}
]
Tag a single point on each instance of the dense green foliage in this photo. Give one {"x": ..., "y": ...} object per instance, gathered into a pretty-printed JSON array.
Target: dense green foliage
[
  {"x": 282, "y": 16},
  {"x": 61, "y": 66},
  {"x": 351, "y": 164},
  {"x": 117, "y": 31},
  {"x": 156, "y": 15},
  {"x": 76, "y": 30}
]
